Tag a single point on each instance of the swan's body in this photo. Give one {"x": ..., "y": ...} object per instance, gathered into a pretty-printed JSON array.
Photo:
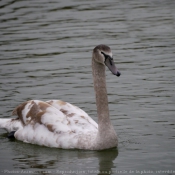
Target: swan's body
[{"x": 59, "y": 124}]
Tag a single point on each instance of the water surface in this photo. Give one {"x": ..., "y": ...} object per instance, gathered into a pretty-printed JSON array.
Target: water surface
[{"x": 45, "y": 53}]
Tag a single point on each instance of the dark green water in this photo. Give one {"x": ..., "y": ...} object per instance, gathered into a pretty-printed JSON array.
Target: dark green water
[{"x": 45, "y": 53}]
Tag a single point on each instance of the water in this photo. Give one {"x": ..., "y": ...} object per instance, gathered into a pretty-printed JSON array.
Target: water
[{"x": 45, "y": 53}]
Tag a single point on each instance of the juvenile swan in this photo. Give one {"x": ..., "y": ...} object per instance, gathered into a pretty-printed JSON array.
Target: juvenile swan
[{"x": 55, "y": 123}]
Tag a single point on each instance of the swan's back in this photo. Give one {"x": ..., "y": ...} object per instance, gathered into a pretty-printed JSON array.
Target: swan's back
[{"x": 54, "y": 123}]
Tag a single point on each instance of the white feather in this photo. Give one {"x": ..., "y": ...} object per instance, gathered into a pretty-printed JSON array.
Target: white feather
[
  {"x": 60, "y": 124},
  {"x": 10, "y": 124}
]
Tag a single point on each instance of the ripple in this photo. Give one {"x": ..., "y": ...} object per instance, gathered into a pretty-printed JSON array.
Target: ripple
[{"x": 45, "y": 53}]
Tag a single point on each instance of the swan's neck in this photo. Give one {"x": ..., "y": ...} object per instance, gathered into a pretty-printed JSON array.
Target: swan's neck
[
  {"x": 101, "y": 94},
  {"x": 106, "y": 137}
]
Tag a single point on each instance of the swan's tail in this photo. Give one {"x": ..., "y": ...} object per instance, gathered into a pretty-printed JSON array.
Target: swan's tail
[{"x": 10, "y": 124}]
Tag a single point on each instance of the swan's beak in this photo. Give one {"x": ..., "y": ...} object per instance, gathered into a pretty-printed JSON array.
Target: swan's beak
[{"x": 109, "y": 62}]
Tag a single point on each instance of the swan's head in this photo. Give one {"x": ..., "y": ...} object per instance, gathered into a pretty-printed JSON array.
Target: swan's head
[{"x": 102, "y": 54}]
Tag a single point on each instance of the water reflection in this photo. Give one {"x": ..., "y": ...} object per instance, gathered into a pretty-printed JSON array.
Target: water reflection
[
  {"x": 37, "y": 158},
  {"x": 106, "y": 161}
]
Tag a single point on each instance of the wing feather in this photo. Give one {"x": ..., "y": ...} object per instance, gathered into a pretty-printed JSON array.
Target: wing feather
[{"x": 53, "y": 123}]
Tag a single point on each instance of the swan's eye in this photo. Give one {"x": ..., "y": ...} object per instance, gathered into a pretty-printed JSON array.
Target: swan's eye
[
  {"x": 107, "y": 57},
  {"x": 103, "y": 54}
]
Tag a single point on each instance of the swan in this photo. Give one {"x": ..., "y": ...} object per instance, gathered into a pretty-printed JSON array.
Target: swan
[{"x": 59, "y": 124}]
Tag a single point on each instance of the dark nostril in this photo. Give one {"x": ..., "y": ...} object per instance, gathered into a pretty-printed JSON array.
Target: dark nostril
[{"x": 118, "y": 74}]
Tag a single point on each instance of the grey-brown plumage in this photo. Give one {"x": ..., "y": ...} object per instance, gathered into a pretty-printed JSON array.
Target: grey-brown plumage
[{"x": 106, "y": 137}]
